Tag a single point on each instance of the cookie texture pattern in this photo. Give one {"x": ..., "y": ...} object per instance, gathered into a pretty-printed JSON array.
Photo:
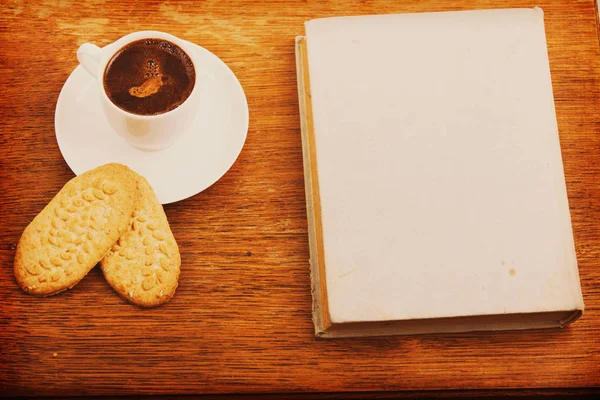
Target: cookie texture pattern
[
  {"x": 143, "y": 265},
  {"x": 75, "y": 230}
]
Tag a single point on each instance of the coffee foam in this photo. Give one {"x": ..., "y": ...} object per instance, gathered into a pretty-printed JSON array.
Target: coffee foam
[
  {"x": 148, "y": 88},
  {"x": 152, "y": 84}
]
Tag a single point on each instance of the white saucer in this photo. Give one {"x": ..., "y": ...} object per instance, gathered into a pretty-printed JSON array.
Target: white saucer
[{"x": 197, "y": 160}]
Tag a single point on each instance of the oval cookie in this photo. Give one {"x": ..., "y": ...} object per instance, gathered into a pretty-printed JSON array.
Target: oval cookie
[
  {"x": 143, "y": 266},
  {"x": 75, "y": 230}
]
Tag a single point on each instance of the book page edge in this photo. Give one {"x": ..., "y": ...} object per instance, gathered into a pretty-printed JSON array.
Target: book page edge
[{"x": 320, "y": 308}]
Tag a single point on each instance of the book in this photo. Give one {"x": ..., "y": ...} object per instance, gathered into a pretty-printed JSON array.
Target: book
[{"x": 435, "y": 190}]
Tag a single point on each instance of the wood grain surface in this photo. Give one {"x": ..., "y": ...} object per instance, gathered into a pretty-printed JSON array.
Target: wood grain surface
[{"x": 241, "y": 320}]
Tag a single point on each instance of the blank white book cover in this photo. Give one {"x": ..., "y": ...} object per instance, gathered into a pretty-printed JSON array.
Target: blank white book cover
[{"x": 442, "y": 189}]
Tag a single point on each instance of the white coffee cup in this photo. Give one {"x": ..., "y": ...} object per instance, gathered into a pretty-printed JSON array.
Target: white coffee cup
[{"x": 146, "y": 132}]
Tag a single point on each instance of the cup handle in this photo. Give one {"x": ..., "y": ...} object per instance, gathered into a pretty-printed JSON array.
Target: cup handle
[{"x": 88, "y": 56}]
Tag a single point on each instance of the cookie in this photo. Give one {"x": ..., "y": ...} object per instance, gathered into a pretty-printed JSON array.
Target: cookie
[
  {"x": 75, "y": 230},
  {"x": 143, "y": 266}
]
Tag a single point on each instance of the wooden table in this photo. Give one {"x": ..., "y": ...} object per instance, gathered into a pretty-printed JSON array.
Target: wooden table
[{"x": 241, "y": 321}]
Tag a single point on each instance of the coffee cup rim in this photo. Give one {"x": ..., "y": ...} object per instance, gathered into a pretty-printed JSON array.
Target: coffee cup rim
[{"x": 112, "y": 48}]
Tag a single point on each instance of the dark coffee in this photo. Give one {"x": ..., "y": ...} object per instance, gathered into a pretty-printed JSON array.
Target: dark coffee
[{"x": 149, "y": 77}]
